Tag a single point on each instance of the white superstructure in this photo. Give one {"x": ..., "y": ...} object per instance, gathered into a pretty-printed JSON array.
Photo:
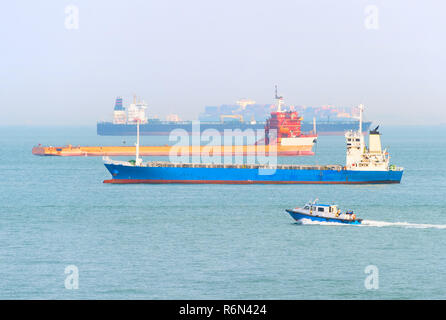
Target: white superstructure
[
  {"x": 137, "y": 111},
  {"x": 361, "y": 157},
  {"x": 119, "y": 117}
]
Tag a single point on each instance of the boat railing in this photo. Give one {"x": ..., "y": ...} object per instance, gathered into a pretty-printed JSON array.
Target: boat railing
[
  {"x": 107, "y": 160},
  {"x": 166, "y": 164},
  {"x": 242, "y": 166}
]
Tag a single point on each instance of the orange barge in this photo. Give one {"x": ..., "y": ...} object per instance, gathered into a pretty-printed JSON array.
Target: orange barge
[{"x": 91, "y": 151}]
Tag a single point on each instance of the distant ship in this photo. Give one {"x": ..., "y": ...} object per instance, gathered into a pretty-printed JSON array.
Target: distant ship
[
  {"x": 326, "y": 120},
  {"x": 282, "y": 135}
]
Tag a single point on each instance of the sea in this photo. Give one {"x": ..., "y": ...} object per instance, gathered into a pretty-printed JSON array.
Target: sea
[{"x": 64, "y": 234}]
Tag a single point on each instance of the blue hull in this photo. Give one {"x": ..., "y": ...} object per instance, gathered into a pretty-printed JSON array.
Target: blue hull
[
  {"x": 299, "y": 216},
  {"x": 134, "y": 174}
]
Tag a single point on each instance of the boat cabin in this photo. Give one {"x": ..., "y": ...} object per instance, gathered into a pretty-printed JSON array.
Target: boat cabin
[{"x": 321, "y": 208}]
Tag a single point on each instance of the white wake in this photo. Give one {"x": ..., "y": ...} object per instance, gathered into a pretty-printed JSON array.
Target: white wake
[{"x": 373, "y": 223}]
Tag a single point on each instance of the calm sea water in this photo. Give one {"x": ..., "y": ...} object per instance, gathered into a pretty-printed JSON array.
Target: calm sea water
[{"x": 216, "y": 241}]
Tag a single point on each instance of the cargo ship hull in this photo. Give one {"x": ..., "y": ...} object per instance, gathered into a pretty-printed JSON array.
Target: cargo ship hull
[
  {"x": 236, "y": 174},
  {"x": 158, "y": 128}
]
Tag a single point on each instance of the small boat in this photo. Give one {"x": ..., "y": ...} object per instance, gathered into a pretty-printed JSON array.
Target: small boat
[{"x": 323, "y": 213}]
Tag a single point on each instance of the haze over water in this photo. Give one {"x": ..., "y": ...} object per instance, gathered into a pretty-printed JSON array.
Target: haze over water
[{"x": 180, "y": 56}]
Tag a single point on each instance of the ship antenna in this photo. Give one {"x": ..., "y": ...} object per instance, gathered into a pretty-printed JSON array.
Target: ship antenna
[
  {"x": 279, "y": 101},
  {"x": 361, "y": 110}
]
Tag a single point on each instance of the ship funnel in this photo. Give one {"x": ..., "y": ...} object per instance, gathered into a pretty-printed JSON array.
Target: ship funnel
[
  {"x": 118, "y": 104},
  {"x": 119, "y": 116},
  {"x": 375, "y": 141}
]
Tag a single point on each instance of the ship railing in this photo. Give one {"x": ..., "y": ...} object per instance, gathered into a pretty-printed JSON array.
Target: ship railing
[
  {"x": 107, "y": 160},
  {"x": 243, "y": 166}
]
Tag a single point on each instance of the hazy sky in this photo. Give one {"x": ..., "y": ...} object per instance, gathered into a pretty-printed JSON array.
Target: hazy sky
[{"x": 183, "y": 55}]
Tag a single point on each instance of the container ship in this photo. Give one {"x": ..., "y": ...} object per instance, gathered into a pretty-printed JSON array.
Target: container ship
[
  {"x": 245, "y": 114},
  {"x": 364, "y": 165}
]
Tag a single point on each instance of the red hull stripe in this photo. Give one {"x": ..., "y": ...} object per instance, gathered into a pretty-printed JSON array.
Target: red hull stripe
[{"x": 148, "y": 181}]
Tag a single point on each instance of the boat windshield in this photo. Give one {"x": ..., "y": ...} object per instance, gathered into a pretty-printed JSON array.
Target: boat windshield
[{"x": 306, "y": 207}]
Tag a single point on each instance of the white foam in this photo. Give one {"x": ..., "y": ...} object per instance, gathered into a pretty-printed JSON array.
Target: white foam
[{"x": 373, "y": 223}]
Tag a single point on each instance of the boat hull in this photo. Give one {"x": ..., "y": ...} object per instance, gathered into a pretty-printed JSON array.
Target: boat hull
[
  {"x": 298, "y": 216},
  {"x": 123, "y": 174}
]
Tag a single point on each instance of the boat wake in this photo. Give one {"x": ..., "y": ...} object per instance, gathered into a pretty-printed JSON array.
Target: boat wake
[{"x": 373, "y": 223}]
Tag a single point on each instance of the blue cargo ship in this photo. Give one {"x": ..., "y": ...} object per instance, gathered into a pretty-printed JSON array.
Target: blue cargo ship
[{"x": 364, "y": 165}]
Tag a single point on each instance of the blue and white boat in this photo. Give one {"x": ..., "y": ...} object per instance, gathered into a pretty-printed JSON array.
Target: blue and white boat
[{"x": 323, "y": 213}]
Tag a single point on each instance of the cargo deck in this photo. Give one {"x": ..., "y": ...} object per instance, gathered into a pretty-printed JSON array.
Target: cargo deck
[{"x": 95, "y": 151}]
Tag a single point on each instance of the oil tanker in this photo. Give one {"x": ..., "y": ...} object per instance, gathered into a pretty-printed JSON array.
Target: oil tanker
[
  {"x": 364, "y": 165},
  {"x": 326, "y": 120}
]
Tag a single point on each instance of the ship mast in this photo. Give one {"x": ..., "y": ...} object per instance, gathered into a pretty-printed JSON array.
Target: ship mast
[
  {"x": 361, "y": 110},
  {"x": 138, "y": 160},
  {"x": 279, "y": 100}
]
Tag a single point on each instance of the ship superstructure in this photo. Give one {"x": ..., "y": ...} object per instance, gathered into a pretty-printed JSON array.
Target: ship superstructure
[
  {"x": 361, "y": 157},
  {"x": 284, "y": 127},
  {"x": 136, "y": 111}
]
